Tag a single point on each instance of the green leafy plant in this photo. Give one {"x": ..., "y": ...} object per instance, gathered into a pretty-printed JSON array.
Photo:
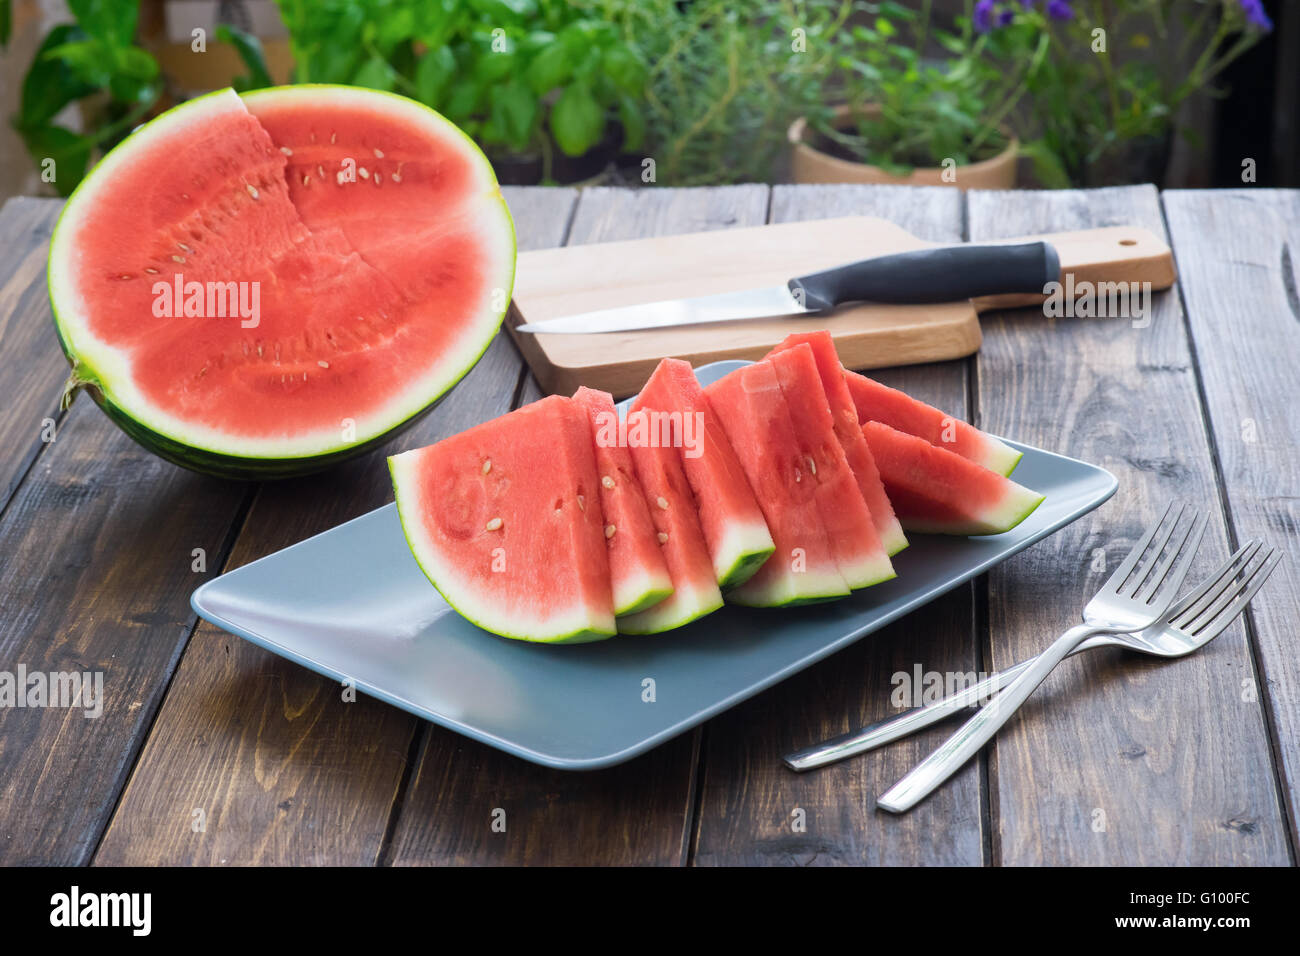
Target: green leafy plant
[
  {"x": 725, "y": 80},
  {"x": 1114, "y": 75},
  {"x": 517, "y": 75},
  {"x": 94, "y": 62}
]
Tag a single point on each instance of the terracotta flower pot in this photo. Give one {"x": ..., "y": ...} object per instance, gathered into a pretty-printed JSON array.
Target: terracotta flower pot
[{"x": 808, "y": 164}]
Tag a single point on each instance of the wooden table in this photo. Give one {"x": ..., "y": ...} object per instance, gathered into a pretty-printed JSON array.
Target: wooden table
[{"x": 210, "y": 750}]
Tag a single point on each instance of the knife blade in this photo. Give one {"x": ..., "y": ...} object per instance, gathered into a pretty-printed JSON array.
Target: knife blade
[{"x": 940, "y": 274}]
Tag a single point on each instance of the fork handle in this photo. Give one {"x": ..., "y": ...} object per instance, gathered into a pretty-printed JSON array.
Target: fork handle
[{"x": 980, "y": 729}]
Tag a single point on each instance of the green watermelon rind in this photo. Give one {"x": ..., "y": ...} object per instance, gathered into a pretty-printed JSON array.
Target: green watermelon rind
[
  {"x": 1018, "y": 505},
  {"x": 1001, "y": 457},
  {"x": 832, "y": 589},
  {"x": 651, "y": 622},
  {"x": 221, "y": 464},
  {"x": 582, "y": 636},
  {"x": 746, "y": 550},
  {"x": 649, "y": 595}
]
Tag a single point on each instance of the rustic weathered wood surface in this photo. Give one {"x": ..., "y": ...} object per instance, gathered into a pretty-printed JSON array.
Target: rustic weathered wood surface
[{"x": 212, "y": 751}]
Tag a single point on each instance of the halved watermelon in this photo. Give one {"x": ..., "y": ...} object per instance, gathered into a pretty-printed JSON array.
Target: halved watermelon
[
  {"x": 848, "y": 430},
  {"x": 935, "y": 490},
  {"x": 638, "y": 575},
  {"x": 257, "y": 287},
  {"x": 858, "y": 552},
  {"x": 757, "y": 421},
  {"x": 505, "y": 520},
  {"x": 880, "y": 403},
  {"x": 672, "y": 509},
  {"x": 676, "y": 412}
]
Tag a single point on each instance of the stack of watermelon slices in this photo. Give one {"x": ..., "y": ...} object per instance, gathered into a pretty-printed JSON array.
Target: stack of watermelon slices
[{"x": 789, "y": 481}]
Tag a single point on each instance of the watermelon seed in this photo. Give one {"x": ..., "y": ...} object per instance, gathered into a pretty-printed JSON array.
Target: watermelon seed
[
  {"x": 321, "y": 170},
  {"x": 487, "y": 465},
  {"x": 582, "y": 504},
  {"x": 610, "y": 530},
  {"x": 379, "y": 154},
  {"x": 259, "y": 351},
  {"x": 663, "y": 537},
  {"x": 363, "y": 172},
  {"x": 607, "y": 481},
  {"x": 252, "y": 190},
  {"x": 812, "y": 465},
  {"x": 178, "y": 258},
  {"x": 494, "y": 524},
  {"x": 151, "y": 270},
  {"x": 378, "y": 176},
  {"x": 286, "y": 150},
  {"x": 183, "y": 247},
  {"x": 306, "y": 180},
  {"x": 334, "y": 138},
  {"x": 322, "y": 363},
  {"x": 662, "y": 502}
]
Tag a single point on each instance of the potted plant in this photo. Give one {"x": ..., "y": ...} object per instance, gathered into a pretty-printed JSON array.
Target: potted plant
[
  {"x": 1103, "y": 102},
  {"x": 548, "y": 92},
  {"x": 904, "y": 119}
]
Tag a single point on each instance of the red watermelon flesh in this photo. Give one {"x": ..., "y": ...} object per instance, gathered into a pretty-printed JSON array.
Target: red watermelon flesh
[
  {"x": 880, "y": 403},
  {"x": 849, "y": 432},
  {"x": 373, "y": 295},
  {"x": 757, "y": 421},
  {"x": 935, "y": 490},
  {"x": 675, "y": 411},
  {"x": 858, "y": 552},
  {"x": 638, "y": 575},
  {"x": 672, "y": 509},
  {"x": 505, "y": 520}
]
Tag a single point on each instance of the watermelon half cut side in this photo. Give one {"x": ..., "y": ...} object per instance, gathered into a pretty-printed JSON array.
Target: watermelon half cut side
[
  {"x": 505, "y": 520},
  {"x": 638, "y": 575},
  {"x": 940, "y": 492},
  {"x": 880, "y": 403},
  {"x": 858, "y": 552},
  {"x": 754, "y": 415},
  {"x": 672, "y": 409},
  {"x": 259, "y": 286},
  {"x": 677, "y": 528},
  {"x": 848, "y": 430}
]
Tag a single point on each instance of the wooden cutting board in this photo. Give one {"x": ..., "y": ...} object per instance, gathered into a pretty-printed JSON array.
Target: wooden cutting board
[{"x": 551, "y": 283}]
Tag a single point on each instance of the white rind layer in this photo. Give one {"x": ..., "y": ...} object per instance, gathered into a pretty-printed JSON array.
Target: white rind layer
[{"x": 109, "y": 368}]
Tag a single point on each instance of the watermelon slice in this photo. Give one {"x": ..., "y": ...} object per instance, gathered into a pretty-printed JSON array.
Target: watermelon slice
[
  {"x": 858, "y": 552},
  {"x": 638, "y": 575},
  {"x": 880, "y": 403},
  {"x": 849, "y": 432},
  {"x": 674, "y": 410},
  {"x": 258, "y": 287},
  {"x": 935, "y": 490},
  {"x": 757, "y": 421},
  {"x": 505, "y": 520},
  {"x": 672, "y": 509}
]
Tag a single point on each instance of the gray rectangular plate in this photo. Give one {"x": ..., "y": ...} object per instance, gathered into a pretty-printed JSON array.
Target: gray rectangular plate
[{"x": 352, "y": 604}]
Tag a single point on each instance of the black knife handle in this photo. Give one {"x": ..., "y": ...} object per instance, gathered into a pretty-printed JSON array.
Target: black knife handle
[{"x": 945, "y": 274}]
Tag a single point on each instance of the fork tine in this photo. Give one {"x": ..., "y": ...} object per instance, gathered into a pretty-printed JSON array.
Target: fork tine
[
  {"x": 1185, "y": 550},
  {"x": 1190, "y": 607},
  {"x": 1126, "y": 567},
  {"x": 1224, "y": 610}
]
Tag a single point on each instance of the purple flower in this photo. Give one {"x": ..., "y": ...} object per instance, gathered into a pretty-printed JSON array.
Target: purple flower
[
  {"x": 1005, "y": 16},
  {"x": 1255, "y": 14},
  {"x": 1059, "y": 10},
  {"x": 984, "y": 16}
]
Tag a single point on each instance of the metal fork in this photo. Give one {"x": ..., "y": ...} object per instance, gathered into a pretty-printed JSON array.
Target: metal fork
[
  {"x": 1186, "y": 628},
  {"x": 1138, "y": 594}
]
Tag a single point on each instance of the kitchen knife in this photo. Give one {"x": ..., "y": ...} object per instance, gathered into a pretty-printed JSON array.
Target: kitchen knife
[{"x": 943, "y": 274}]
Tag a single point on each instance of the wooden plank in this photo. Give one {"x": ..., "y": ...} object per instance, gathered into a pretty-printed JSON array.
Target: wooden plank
[
  {"x": 1116, "y": 760},
  {"x": 285, "y": 770},
  {"x": 749, "y": 799},
  {"x": 1240, "y": 252},
  {"x": 636, "y": 813},
  {"x": 34, "y": 369},
  {"x": 98, "y": 549}
]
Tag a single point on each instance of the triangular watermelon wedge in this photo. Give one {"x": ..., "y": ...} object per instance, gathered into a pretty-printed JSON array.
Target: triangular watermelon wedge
[
  {"x": 505, "y": 520},
  {"x": 638, "y": 575},
  {"x": 848, "y": 430},
  {"x": 677, "y": 527},
  {"x": 889, "y": 406},
  {"x": 678, "y": 413},
  {"x": 861, "y": 557},
  {"x": 754, "y": 414},
  {"x": 939, "y": 492}
]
